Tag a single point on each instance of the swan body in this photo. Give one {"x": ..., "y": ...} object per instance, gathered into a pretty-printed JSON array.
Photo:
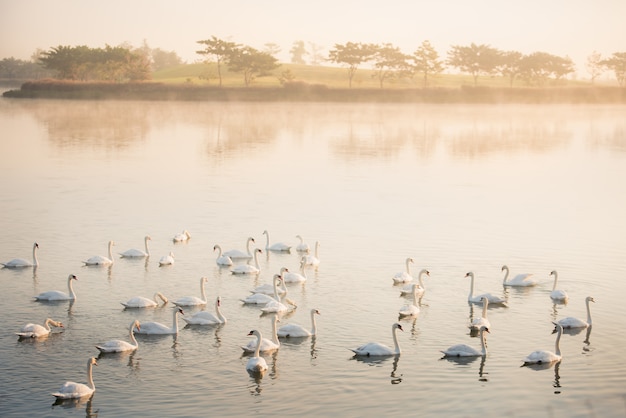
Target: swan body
[
  {"x": 73, "y": 390},
  {"x": 247, "y": 268},
  {"x": 478, "y": 323},
  {"x": 404, "y": 276},
  {"x": 237, "y": 254},
  {"x": 167, "y": 260},
  {"x": 571, "y": 322},
  {"x": 207, "y": 318},
  {"x": 118, "y": 346},
  {"x": 268, "y": 289},
  {"x": 266, "y": 345},
  {"x": 182, "y": 236},
  {"x": 478, "y": 299},
  {"x": 313, "y": 260},
  {"x": 142, "y": 302},
  {"x": 408, "y": 289},
  {"x": 302, "y": 246},
  {"x": 57, "y": 295},
  {"x": 298, "y": 331},
  {"x": 275, "y": 305},
  {"x": 464, "y": 350},
  {"x": 156, "y": 328},
  {"x": 412, "y": 309},
  {"x": 289, "y": 277},
  {"x": 256, "y": 364},
  {"x": 545, "y": 356},
  {"x": 135, "y": 253},
  {"x": 100, "y": 260},
  {"x": 20, "y": 262},
  {"x": 36, "y": 330},
  {"x": 520, "y": 280},
  {"x": 557, "y": 294},
  {"x": 194, "y": 300},
  {"x": 222, "y": 260},
  {"x": 378, "y": 349},
  {"x": 279, "y": 247}
]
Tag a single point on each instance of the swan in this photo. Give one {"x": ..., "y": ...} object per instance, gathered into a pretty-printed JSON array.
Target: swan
[
  {"x": 100, "y": 260},
  {"x": 557, "y": 294},
  {"x": 520, "y": 280},
  {"x": 268, "y": 289},
  {"x": 207, "y": 318},
  {"x": 20, "y": 262},
  {"x": 408, "y": 289},
  {"x": 412, "y": 309},
  {"x": 263, "y": 298},
  {"x": 193, "y": 300},
  {"x": 478, "y": 299},
  {"x": 54, "y": 295},
  {"x": 302, "y": 247},
  {"x": 247, "y": 268},
  {"x": 73, "y": 390},
  {"x": 313, "y": 260},
  {"x": 237, "y": 254},
  {"x": 464, "y": 350},
  {"x": 182, "y": 236},
  {"x": 36, "y": 330},
  {"x": 571, "y": 322},
  {"x": 152, "y": 328},
  {"x": 267, "y": 345},
  {"x": 257, "y": 364},
  {"x": 298, "y": 331},
  {"x": 545, "y": 356},
  {"x": 405, "y": 276},
  {"x": 222, "y": 260},
  {"x": 142, "y": 302},
  {"x": 117, "y": 346},
  {"x": 378, "y": 349},
  {"x": 167, "y": 260},
  {"x": 275, "y": 305},
  {"x": 477, "y": 323},
  {"x": 135, "y": 253},
  {"x": 289, "y": 277},
  {"x": 280, "y": 247}
]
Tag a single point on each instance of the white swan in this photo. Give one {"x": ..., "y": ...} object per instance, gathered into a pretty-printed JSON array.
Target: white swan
[
  {"x": 280, "y": 247},
  {"x": 378, "y": 349},
  {"x": 464, "y": 350},
  {"x": 404, "y": 276},
  {"x": 298, "y": 331},
  {"x": 194, "y": 300},
  {"x": 264, "y": 298},
  {"x": 313, "y": 260},
  {"x": 207, "y": 318},
  {"x": 154, "y": 328},
  {"x": 267, "y": 345},
  {"x": 247, "y": 268},
  {"x": 477, "y": 323},
  {"x": 408, "y": 289},
  {"x": 20, "y": 262},
  {"x": 290, "y": 277},
  {"x": 167, "y": 260},
  {"x": 54, "y": 295},
  {"x": 73, "y": 390},
  {"x": 222, "y": 260},
  {"x": 36, "y": 330},
  {"x": 557, "y": 294},
  {"x": 275, "y": 305},
  {"x": 182, "y": 236},
  {"x": 100, "y": 260},
  {"x": 135, "y": 253},
  {"x": 520, "y": 280},
  {"x": 117, "y": 346},
  {"x": 545, "y": 356},
  {"x": 302, "y": 246},
  {"x": 571, "y": 322},
  {"x": 237, "y": 254},
  {"x": 256, "y": 364},
  {"x": 268, "y": 289},
  {"x": 142, "y": 302},
  {"x": 412, "y": 309},
  {"x": 478, "y": 299}
]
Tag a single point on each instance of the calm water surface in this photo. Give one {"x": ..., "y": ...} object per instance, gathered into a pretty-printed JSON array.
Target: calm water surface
[{"x": 458, "y": 188}]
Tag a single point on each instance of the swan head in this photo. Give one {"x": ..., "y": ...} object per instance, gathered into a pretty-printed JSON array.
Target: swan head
[
  {"x": 255, "y": 332},
  {"x": 136, "y": 324},
  {"x": 315, "y": 311},
  {"x": 92, "y": 362},
  {"x": 485, "y": 329},
  {"x": 589, "y": 299},
  {"x": 180, "y": 311},
  {"x": 553, "y": 273},
  {"x": 148, "y": 238},
  {"x": 265, "y": 232},
  {"x": 72, "y": 277},
  {"x": 251, "y": 239},
  {"x": 35, "y": 245},
  {"x": 504, "y": 267},
  {"x": 284, "y": 270},
  {"x": 204, "y": 280},
  {"x": 397, "y": 326},
  {"x": 469, "y": 274},
  {"x": 216, "y": 247},
  {"x": 557, "y": 327},
  {"x": 258, "y": 250},
  {"x": 218, "y": 301}
]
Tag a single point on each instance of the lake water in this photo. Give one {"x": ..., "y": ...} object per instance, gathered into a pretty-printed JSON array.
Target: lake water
[{"x": 457, "y": 187}]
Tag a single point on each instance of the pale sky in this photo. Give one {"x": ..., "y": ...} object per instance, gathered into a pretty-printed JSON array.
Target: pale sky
[{"x": 573, "y": 28}]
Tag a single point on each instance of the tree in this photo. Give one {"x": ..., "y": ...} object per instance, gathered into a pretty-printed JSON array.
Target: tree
[
  {"x": 426, "y": 61},
  {"x": 617, "y": 63},
  {"x": 351, "y": 54},
  {"x": 510, "y": 65},
  {"x": 594, "y": 65},
  {"x": 251, "y": 62},
  {"x": 389, "y": 62},
  {"x": 316, "y": 53},
  {"x": 474, "y": 59},
  {"x": 220, "y": 50},
  {"x": 271, "y": 48},
  {"x": 298, "y": 51},
  {"x": 538, "y": 67},
  {"x": 164, "y": 59}
]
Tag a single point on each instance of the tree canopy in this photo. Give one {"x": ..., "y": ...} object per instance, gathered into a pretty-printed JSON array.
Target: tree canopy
[{"x": 352, "y": 55}]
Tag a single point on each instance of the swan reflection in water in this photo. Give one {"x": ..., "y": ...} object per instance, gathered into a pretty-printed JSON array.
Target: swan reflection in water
[
  {"x": 396, "y": 378},
  {"x": 586, "y": 347},
  {"x": 75, "y": 403}
]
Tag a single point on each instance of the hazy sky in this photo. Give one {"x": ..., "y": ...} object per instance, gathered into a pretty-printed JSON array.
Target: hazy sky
[{"x": 560, "y": 27}]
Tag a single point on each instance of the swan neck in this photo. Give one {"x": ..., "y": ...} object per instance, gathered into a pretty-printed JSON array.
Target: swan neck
[
  {"x": 482, "y": 342},
  {"x": 275, "y": 330},
  {"x": 146, "y": 245},
  {"x": 46, "y": 324},
  {"x": 132, "y": 335},
  {"x": 111, "y": 251},
  {"x": 90, "y": 375},
  {"x": 471, "y": 293},
  {"x": 408, "y": 268},
  {"x": 555, "y": 279},
  {"x": 221, "y": 317},
  {"x": 248, "y": 246},
  {"x": 317, "y": 246},
  {"x": 276, "y": 289},
  {"x": 557, "y": 346},
  {"x": 257, "y": 350},
  {"x": 506, "y": 275},
  {"x": 267, "y": 240},
  {"x": 485, "y": 305},
  {"x": 419, "y": 279},
  {"x": 202, "y": 290},
  {"x": 71, "y": 289},
  {"x": 313, "y": 324},
  {"x": 415, "y": 295},
  {"x": 588, "y": 314},
  {"x": 395, "y": 340},
  {"x": 175, "y": 321},
  {"x": 35, "y": 261}
]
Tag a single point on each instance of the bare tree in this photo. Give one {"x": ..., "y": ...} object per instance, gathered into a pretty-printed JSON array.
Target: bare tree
[{"x": 594, "y": 65}]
